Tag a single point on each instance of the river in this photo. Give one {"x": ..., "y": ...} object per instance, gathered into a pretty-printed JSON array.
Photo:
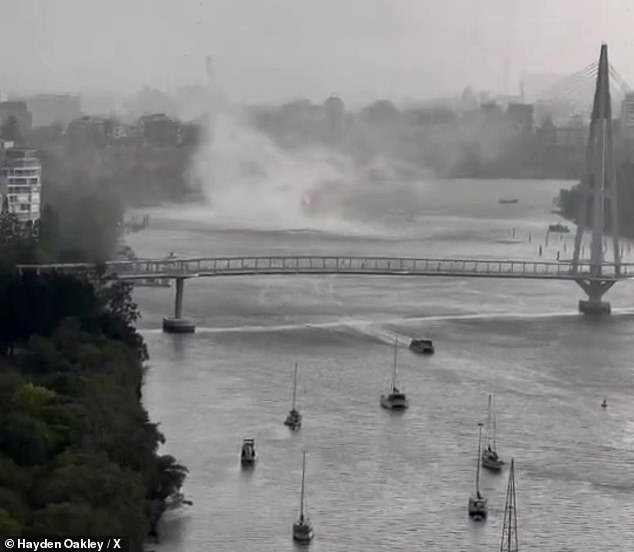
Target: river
[{"x": 376, "y": 481}]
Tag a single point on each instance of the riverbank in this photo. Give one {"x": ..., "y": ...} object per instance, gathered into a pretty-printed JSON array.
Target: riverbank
[{"x": 77, "y": 450}]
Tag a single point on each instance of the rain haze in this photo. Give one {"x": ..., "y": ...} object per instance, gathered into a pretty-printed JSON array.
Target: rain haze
[
  {"x": 278, "y": 49},
  {"x": 349, "y": 273}
]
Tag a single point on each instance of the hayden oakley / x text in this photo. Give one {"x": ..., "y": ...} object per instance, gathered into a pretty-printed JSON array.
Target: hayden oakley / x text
[{"x": 61, "y": 543}]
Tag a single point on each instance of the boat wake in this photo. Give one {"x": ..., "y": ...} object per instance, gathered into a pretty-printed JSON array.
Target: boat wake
[{"x": 376, "y": 328}]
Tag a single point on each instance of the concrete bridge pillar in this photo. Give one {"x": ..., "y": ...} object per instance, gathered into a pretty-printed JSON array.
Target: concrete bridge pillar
[
  {"x": 595, "y": 290},
  {"x": 177, "y": 323}
]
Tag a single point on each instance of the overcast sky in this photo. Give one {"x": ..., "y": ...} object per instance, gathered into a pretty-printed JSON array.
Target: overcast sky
[{"x": 276, "y": 49}]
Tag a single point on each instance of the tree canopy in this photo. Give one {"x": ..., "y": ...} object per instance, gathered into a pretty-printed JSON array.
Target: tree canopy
[{"x": 78, "y": 453}]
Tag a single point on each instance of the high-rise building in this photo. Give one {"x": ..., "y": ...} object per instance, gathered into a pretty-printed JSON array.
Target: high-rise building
[
  {"x": 19, "y": 111},
  {"x": 627, "y": 116},
  {"x": 20, "y": 182}
]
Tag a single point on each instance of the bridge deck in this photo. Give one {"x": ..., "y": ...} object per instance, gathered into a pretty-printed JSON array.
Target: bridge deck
[{"x": 396, "y": 266}]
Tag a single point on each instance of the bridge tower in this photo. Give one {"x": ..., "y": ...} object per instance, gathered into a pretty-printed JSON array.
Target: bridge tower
[{"x": 598, "y": 199}]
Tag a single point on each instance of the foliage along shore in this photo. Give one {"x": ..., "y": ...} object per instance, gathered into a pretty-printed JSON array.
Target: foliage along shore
[
  {"x": 568, "y": 201},
  {"x": 78, "y": 453}
]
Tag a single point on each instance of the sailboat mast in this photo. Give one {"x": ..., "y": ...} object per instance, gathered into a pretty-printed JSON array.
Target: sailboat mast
[
  {"x": 294, "y": 386},
  {"x": 478, "y": 460},
  {"x": 509, "y": 542},
  {"x": 301, "y": 500},
  {"x": 489, "y": 425},
  {"x": 394, "y": 368},
  {"x": 493, "y": 427}
]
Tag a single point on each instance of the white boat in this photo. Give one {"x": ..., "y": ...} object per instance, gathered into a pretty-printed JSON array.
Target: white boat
[
  {"x": 490, "y": 458},
  {"x": 248, "y": 455},
  {"x": 303, "y": 528},
  {"x": 294, "y": 418},
  {"x": 509, "y": 527},
  {"x": 478, "y": 507},
  {"x": 394, "y": 399}
]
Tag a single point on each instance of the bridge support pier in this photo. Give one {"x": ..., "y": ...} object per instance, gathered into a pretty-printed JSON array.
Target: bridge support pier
[
  {"x": 595, "y": 290},
  {"x": 177, "y": 323}
]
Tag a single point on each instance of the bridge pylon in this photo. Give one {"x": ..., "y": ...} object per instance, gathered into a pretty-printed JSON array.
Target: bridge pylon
[
  {"x": 598, "y": 199},
  {"x": 178, "y": 323}
]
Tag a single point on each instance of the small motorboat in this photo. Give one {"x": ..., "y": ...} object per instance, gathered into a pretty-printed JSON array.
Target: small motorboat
[
  {"x": 248, "y": 455},
  {"x": 604, "y": 404},
  {"x": 558, "y": 228},
  {"x": 422, "y": 346},
  {"x": 508, "y": 201}
]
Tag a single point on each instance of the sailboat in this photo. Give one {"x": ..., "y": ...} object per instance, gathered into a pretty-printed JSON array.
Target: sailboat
[
  {"x": 394, "y": 399},
  {"x": 303, "y": 528},
  {"x": 477, "y": 503},
  {"x": 490, "y": 458},
  {"x": 294, "y": 418},
  {"x": 509, "y": 528}
]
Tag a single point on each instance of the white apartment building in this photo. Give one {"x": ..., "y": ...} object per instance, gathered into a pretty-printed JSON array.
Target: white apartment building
[{"x": 20, "y": 181}]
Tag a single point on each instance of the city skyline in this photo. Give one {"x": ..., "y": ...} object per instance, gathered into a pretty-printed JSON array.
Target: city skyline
[{"x": 358, "y": 50}]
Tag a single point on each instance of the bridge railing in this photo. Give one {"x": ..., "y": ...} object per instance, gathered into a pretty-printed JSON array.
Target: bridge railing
[{"x": 344, "y": 264}]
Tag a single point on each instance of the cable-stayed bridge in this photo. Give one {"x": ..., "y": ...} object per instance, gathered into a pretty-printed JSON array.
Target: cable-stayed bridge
[{"x": 595, "y": 275}]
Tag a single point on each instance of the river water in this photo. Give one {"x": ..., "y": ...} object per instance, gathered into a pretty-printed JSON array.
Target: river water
[{"x": 377, "y": 481}]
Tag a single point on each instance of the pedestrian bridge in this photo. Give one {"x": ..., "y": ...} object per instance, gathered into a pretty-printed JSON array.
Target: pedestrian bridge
[
  {"x": 202, "y": 267},
  {"x": 595, "y": 280}
]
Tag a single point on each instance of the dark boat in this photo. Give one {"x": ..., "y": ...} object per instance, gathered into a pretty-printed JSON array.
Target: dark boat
[
  {"x": 294, "y": 418},
  {"x": 394, "y": 399},
  {"x": 504, "y": 201},
  {"x": 248, "y": 456},
  {"x": 421, "y": 346},
  {"x": 490, "y": 458},
  {"x": 303, "y": 529},
  {"x": 478, "y": 504},
  {"x": 558, "y": 228}
]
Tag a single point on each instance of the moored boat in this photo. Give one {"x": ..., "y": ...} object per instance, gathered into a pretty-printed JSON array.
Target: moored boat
[
  {"x": 294, "y": 418},
  {"x": 394, "y": 399},
  {"x": 478, "y": 506},
  {"x": 490, "y": 458},
  {"x": 422, "y": 346},
  {"x": 248, "y": 455},
  {"x": 303, "y": 528}
]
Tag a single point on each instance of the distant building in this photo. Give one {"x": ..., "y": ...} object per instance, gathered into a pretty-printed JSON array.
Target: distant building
[
  {"x": 90, "y": 131},
  {"x": 521, "y": 117},
  {"x": 20, "y": 182},
  {"x": 574, "y": 134},
  {"x": 335, "y": 114},
  {"x": 159, "y": 130},
  {"x": 49, "y": 109},
  {"x": 19, "y": 110},
  {"x": 627, "y": 117}
]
